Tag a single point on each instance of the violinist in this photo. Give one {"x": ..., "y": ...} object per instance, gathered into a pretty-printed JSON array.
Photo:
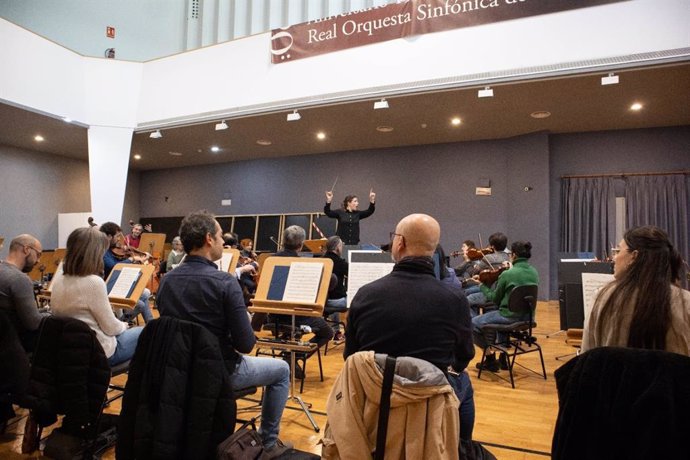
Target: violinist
[
  {"x": 521, "y": 274},
  {"x": 489, "y": 258},
  {"x": 463, "y": 269},
  {"x": 117, "y": 253}
]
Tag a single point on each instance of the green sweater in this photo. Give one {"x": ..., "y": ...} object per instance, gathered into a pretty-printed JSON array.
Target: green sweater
[{"x": 521, "y": 274}]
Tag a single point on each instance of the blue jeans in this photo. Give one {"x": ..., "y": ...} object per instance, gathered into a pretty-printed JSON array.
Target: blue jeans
[
  {"x": 142, "y": 307},
  {"x": 465, "y": 393},
  {"x": 492, "y": 317},
  {"x": 126, "y": 344},
  {"x": 333, "y": 309},
  {"x": 274, "y": 374}
]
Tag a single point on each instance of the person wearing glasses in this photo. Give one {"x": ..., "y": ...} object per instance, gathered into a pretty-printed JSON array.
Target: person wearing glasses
[
  {"x": 349, "y": 216},
  {"x": 410, "y": 312},
  {"x": 644, "y": 307},
  {"x": 17, "y": 299}
]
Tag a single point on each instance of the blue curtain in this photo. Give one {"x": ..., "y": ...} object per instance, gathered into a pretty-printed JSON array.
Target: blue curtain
[
  {"x": 660, "y": 200},
  {"x": 589, "y": 215}
]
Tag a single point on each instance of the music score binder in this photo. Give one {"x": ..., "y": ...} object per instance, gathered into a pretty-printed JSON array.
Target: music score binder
[
  {"x": 134, "y": 292},
  {"x": 271, "y": 290}
]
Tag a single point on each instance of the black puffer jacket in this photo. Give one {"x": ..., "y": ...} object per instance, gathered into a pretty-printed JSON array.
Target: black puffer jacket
[
  {"x": 178, "y": 400},
  {"x": 69, "y": 375}
]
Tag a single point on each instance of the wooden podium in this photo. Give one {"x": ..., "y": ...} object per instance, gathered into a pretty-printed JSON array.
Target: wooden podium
[{"x": 275, "y": 285}]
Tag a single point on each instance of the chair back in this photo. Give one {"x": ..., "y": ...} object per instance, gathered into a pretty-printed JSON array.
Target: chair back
[{"x": 523, "y": 299}]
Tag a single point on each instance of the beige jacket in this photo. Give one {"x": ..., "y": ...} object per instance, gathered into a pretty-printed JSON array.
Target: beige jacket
[{"x": 423, "y": 422}]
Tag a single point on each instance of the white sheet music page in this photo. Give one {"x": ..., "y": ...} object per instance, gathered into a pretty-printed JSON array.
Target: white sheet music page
[
  {"x": 360, "y": 274},
  {"x": 591, "y": 283},
  {"x": 123, "y": 284},
  {"x": 303, "y": 282},
  {"x": 224, "y": 262}
]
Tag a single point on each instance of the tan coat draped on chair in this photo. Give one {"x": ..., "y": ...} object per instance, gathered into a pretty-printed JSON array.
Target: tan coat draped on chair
[{"x": 423, "y": 421}]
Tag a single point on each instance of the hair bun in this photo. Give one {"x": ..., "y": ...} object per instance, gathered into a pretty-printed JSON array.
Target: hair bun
[{"x": 528, "y": 245}]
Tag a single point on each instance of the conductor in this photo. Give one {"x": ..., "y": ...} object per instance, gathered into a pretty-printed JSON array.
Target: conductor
[{"x": 349, "y": 215}]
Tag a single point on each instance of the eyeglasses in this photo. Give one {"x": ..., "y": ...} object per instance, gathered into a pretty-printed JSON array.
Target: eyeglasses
[
  {"x": 38, "y": 253},
  {"x": 392, "y": 236}
]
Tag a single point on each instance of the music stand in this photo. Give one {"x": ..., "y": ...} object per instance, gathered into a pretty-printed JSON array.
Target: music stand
[
  {"x": 48, "y": 262},
  {"x": 228, "y": 261},
  {"x": 316, "y": 246},
  {"x": 153, "y": 243},
  {"x": 272, "y": 280}
]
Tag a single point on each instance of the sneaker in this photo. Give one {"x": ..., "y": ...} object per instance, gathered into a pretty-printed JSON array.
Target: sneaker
[
  {"x": 503, "y": 362},
  {"x": 339, "y": 337},
  {"x": 490, "y": 364},
  {"x": 276, "y": 450}
]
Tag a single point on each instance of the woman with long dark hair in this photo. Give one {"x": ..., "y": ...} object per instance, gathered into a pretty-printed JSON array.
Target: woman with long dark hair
[
  {"x": 644, "y": 307},
  {"x": 349, "y": 216}
]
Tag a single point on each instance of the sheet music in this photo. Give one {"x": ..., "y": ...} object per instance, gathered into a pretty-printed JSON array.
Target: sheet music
[
  {"x": 591, "y": 283},
  {"x": 361, "y": 273},
  {"x": 224, "y": 262},
  {"x": 303, "y": 282},
  {"x": 125, "y": 282}
]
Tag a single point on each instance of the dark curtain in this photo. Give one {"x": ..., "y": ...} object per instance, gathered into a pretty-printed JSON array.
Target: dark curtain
[
  {"x": 660, "y": 200},
  {"x": 589, "y": 215}
]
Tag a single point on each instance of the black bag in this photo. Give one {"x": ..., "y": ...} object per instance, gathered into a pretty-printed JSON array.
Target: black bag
[{"x": 243, "y": 444}]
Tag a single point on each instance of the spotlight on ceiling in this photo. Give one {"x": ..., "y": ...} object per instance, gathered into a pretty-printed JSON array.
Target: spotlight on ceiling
[
  {"x": 221, "y": 126},
  {"x": 294, "y": 116},
  {"x": 156, "y": 134},
  {"x": 382, "y": 104},
  {"x": 610, "y": 79},
  {"x": 486, "y": 92}
]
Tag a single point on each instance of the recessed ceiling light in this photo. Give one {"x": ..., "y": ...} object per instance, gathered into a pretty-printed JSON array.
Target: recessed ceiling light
[
  {"x": 264, "y": 142},
  {"x": 540, "y": 114},
  {"x": 456, "y": 121},
  {"x": 384, "y": 129},
  {"x": 423, "y": 125},
  {"x": 321, "y": 135},
  {"x": 175, "y": 154},
  {"x": 137, "y": 157},
  {"x": 636, "y": 106},
  {"x": 215, "y": 149},
  {"x": 38, "y": 138}
]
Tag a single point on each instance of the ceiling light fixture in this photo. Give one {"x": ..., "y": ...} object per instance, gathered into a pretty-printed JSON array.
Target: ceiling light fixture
[
  {"x": 137, "y": 156},
  {"x": 264, "y": 142},
  {"x": 294, "y": 116},
  {"x": 610, "y": 79},
  {"x": 67, "y": 119},
  {"x": 156, "y": 134},
  {"x": 486, "y": 92},
  {"x": 456, "y": 121},
  {"x": 221, "y": 126},
  {"x": 540, "y": 114},
  {"x": 382, "y": 104},
  {"x": 38, "y": 138},
  {"x": 215, "y": 149},
  {"x": 636, "y": 106},
  {"x": 384, "y": 129},
  {"x": 321, "y": 135}
]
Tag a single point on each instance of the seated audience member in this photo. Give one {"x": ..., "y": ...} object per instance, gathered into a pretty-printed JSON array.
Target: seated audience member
[
  {"x": 176, "y": 255},
  {"x": 197, "y": 291},
  {"x": 410, "y": 312},
  {"x": 522, "y": 273},
  {"x": 293, "y": 240},
  {"x": 337, "y": 300},
  {"x": 110, "y": 259},
  {"x": 643, "y": 307},
  {"x": 17, "y": 300},
  {"x": 80, "y": 292}
]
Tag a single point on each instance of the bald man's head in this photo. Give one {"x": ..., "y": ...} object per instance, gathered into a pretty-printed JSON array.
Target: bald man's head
[
  {"x": 25, "y": 252},
  {"x": 417, "y": 235}
]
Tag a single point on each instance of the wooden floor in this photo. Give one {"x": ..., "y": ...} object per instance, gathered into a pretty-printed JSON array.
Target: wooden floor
[{"x": 514, "y": 424}]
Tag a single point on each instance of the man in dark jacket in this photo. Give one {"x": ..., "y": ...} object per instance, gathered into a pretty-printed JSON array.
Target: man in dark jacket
[
  {"x": 197, "y": 291},
  {"x": 411, "y": 313}
]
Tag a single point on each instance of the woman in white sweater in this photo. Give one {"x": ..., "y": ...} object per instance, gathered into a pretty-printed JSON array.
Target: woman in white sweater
[{"x": 80, "y": 292}]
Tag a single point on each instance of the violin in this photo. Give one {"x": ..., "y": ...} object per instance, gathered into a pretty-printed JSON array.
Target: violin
[
  {"x": 477, "y": 254},
  {"x": 490, "y": 276}
]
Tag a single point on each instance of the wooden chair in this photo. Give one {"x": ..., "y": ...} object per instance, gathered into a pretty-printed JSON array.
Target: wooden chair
[{"x": 518, "y": 338}]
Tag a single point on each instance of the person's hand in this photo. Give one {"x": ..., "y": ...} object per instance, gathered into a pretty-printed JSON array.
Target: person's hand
[
  {"x": 249, "y": 268},
  {"x": 476, "y": 278},
  {"x": 372, "y": 196},
  {"x": 329, "y": 197}
]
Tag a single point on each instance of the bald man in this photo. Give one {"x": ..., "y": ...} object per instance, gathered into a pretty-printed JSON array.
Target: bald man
[
  {"x": 17, "y": 299},
  {"x": 411, "y": 313}
]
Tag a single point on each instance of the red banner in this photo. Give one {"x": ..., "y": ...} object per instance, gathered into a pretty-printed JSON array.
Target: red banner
[{"x": 405, "y": 18}]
